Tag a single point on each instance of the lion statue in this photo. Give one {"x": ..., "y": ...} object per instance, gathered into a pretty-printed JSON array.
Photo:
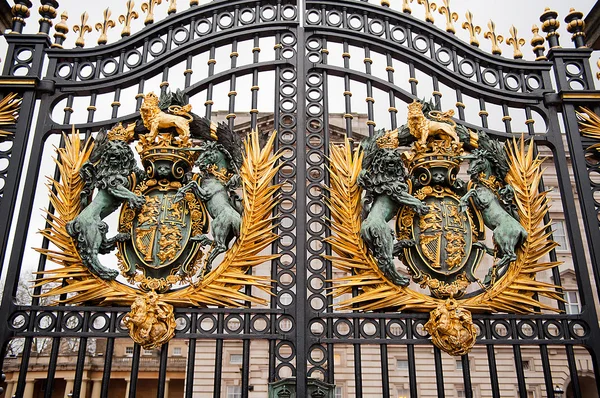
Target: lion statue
[
  {"x": 451, "y": 328},
  {"x": 108, "y": 169},
  {"x": 422, "y": 128},
  {"x": 154, "y": 118}
]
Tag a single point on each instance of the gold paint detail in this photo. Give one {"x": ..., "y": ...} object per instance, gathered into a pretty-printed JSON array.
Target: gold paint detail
[
  {"x": 551, "y": 24},
  {"x": 413, "y": 80},
  {"x": 385, "y": 3},
  {"x": 212, "y": 61},
  {"x": 91, "y": 108},
  {"x": 172, "y": 7},
  {"x": 590, "y": 95},
  {"x": 451, "y": 328},
  {"x": 17, "y": 82},
  {"x": 221, "y": 287},
  {"x": 598, "y": 73},
  {"x": 529, "y": 121},
  {"x": 230, "y": 116},
  {"x": 254, "y": 110},
  {"x": 506, "y": 118},
  {"x": 371, "y": 123},
  {"x": 188, "y": 71},
  {"x": 483, "y": 113},
  {"x": 9, "y": 111},
  {"x": 517, "y": 291},
  {"x": 62, "y": 28},
  {"x": 406, "y": 6},
  {"x": 115, "y": 103},
  {"x": 389, "y": 140},
  {"x": 368, "y": 60},
  {"x": 104, "y": 26},
  {"x": 139, "y": 95},
  {"x": 277, "y": 46},
  {"x": 439, "y": 94},
  {"x": 148, "y": 7},
  {"x": 256, "y": 49},
  {"x": 515, "y": 42},
  {"x": 151, "y": 321},
  {"x": 390, "y": 69},
  {"x": 254, "y": 88},
  {"x": 428, "y": 8},
  {"x": 345, "y": 55},
  {"x": 234, "y": 54},
  {"x": 194, "y": 2},
  {"x": 324, "y": 51},
  {"x": 209, "y": 102},
  {"x": 348, "y": 116},
  {"x": 460, "y": 105},
  {"x": 494, "y": 38},
  {"x": 121, "y": 133},
  {"x": 589, "y": 123},
  {"x": 68, "y": 109},
  {"x": 392, "y": 109},
  {"x": 127, "y": 18},
  {"x": 163, "y": 84},
  {"x": 473, "y": 29},
  {"x": 229, "y": 94},
  {"x": 348, "y": 93},
  {"x": 370, "y": 99},
  {"x": 83, "y": 28},
  {"x": 450, "y": 16}
]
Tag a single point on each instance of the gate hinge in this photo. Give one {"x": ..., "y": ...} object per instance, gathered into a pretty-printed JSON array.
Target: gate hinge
[{"x": 46, "y": 86}]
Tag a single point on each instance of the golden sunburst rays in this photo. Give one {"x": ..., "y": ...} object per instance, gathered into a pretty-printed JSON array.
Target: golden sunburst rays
[
  {"x": 9, "y": 110},
  {"x": 589, "y": 123},
  {"x": 515, "y": 292},
  {"x": 220, "y": 287}
]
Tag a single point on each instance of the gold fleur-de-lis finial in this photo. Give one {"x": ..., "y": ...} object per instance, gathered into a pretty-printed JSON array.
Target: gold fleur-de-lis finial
[
  {"x": 148, "y": 8},
  {"x": 428, "y": 8},
  {"x": 494, "y": 38},
  {"x": 172, "y": 7},
  {"x": 450, "y": 16},
  {"x": 473, "y": 29},
  {"x": 82, "y": 29},
  {"x": 516, "y": 42},
  {"x": 104, "y": 26},
  {"x": 127, "y": 18},
  {"x": 406, "y": 6}
]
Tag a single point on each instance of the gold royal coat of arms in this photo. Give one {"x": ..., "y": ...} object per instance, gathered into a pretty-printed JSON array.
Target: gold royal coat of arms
[
  {"x": 410, "y": 176},
  {"x": 201, "y": 195}
]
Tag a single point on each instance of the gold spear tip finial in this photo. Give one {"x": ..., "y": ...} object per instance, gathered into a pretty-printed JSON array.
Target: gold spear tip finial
[
  {"x": 571, "y": 9},
  {"x": 546, "y": 9}
]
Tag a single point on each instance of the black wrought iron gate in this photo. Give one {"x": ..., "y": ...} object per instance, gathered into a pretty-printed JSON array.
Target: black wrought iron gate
[{"x": 314, "y": 71}]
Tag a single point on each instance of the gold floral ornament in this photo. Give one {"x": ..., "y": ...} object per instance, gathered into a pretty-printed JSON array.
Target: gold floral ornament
[
  {"x": 104, "y": 26},
  {"x": 473, "y": 29},
  {"x": 148, "y": 8},
  {"x": 516, "y": 291},
  {"x": 450, "y": 16},
  {"x": 494, "y": 38},
  {"x": 82, "y": 28},
  {"x": 150, "y": 315},
  {"x": 151, "y": 322},
  {"x": 9, "y": 112},
  {"x": 451, "y": 328},
  {"x": 515, "y": 42},
  {"x": 127, "y": 18},
  {"x": 428, "y": 8}
]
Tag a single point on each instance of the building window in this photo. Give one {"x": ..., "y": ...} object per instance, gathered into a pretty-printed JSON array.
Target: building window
[
  {"x": 531, "y": 394},
  {"x": 234, "y": 392},
  {"x": 527, "y": 364},
  {"x": 339, "y": 392},
  {"x": 572, "y": 305},
  {"x": 560, "y": 235},
  {"x": 403, "y": 394},
  {"x": 459, "y": 364},
  {"x": 401, "y": 364},
  {"x": 337, "y": 359},
  {"x": 236, "y": 359},
  {"x": 148, "y": 352},
  {"x": 460, "y": 393},
  {"x": 128, "y": 350},
  {"x": 177, "y": 351}
]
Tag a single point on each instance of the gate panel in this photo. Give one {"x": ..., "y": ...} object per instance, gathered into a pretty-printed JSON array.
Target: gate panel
[{"x": 334, "y": 69}]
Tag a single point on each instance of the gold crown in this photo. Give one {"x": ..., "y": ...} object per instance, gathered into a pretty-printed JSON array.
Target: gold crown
[
  {"x": 389, "y": 140},
  {"x": 166, "y": 147},
  {"x": 120, "y": 133},
  {"x": 436, "y": 153}
]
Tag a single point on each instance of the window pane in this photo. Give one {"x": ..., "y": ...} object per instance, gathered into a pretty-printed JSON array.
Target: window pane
[
  {"x": 401, "y": 364},
  {"x": 236, "y": 359},
  {"x": 560, "y": 236}
]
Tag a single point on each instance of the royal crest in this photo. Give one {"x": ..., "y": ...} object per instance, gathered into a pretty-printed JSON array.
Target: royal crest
[
  {"x": 178, "y": 213},
  {"x": 411, "y": 175}
]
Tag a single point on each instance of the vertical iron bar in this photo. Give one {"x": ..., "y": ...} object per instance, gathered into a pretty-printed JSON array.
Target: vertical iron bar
[
  {"x": 439, "y": 372},
  {"x": 135, "y": 366},
  {"x": 191, "y": 359},
  {"x": 466, "y": 370},
  {"x": 162, "y": 370}
]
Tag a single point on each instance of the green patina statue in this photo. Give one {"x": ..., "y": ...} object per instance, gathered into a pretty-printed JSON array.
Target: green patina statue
[
  {"x": 109, "y": 168},
  {"x": 219, "y": 163}
]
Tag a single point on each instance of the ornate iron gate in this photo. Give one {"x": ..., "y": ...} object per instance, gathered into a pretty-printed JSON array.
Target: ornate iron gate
[{"x": 309, "y": 54}]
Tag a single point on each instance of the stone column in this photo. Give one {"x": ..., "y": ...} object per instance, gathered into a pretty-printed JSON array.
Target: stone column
[
  {"x": 127, "y": 389},
  {"x": 96, "y": 388},
  {"x": 9, "y": 389},
  {"x": 166, "y": 388},
  {"x": 68, "y": 388},
  {"x": 84, "y": 386},
  {"x": 29, "y": 387}
]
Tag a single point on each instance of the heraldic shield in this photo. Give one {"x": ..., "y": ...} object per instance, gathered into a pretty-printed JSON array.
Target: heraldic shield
[{"x": 162, "y": 230}]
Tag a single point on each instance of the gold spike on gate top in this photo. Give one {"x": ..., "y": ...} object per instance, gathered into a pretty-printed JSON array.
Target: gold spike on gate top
[
  {"x": 406, "y": 6},
  {"x": 148, "y": 8},
  {"x": 428, "y": 8},
  {"x": 127, "y": 18},
  {"x": 104, "y": 26},
  {"x": 450, "y": 16},
  {"x": 172, "y": 7},
  {"x": 537, "y": 42},
  {"x": 473, "y": 29},
  {"x": 494, "y": 38},
  {"x": 82, "y": 29},
  {"x": 516, "y": 42}
]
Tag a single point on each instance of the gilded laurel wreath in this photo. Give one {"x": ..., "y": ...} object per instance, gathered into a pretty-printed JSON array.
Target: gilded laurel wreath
[
  {"x": 516, "y": 291},
  {"x": 219, "y": 287}
]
